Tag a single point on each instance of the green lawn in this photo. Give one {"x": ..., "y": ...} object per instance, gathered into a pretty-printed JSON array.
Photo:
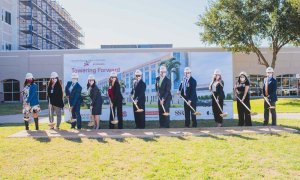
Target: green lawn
[
  {"x": 213, "y": 157},
  {"x": 16, "y": 108},
  {"x": 283, "y": 105}
]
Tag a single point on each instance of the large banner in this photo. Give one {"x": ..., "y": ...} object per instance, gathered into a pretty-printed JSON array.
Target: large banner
[{"x": 202, "y": 64}]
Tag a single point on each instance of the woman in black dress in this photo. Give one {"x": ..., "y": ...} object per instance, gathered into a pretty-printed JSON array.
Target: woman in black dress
[
  {"x": 115, "y": 95},
  {"x": 241, "y": 90},
  {"x": 96, "y": 100},
  {"x": 216, "y": 87}
]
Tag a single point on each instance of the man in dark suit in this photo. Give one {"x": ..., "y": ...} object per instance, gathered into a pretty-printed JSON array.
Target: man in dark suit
[
  {"x": 73, "y": 93},
  {"x": 187, "y": 89},
  {"x": 138, "y": 96},
  {"x": 269, "y": 91},
  {"x": 163, "y": 89}
]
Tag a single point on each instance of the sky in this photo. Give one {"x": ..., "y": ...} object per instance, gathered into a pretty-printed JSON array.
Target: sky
[{"x": 137, "y": 21}]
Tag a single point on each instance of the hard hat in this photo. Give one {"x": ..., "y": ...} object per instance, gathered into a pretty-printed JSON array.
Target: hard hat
[
  {"x": 91, "y": 77},
  {"x": 54, "y": 75},
  {"x": 269, "y": 70},
  {"x": 113, "y": 74},
  {"x": 243, "y": 73},
  {"x": 217, "y": 72},
  {"x": 75, "y": 76},
  {"x": 187, "y": 69},
  {"x": 138, "y": 72},
  {"x": 163, "y": 68},
  {"x": 29, "y": 76}
]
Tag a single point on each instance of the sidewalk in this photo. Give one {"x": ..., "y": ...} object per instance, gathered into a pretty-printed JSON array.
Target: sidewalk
[
  {"x": 18, "y": 118},
  {"x": 213, "y": 132}
]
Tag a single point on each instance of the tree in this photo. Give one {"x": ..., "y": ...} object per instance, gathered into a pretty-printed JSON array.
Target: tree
[{"x": 244, "y": 25}]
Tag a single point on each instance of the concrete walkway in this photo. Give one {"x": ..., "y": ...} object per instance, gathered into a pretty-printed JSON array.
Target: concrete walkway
[
  {"x": 18, "y": 118},
  {"x": 153, "y": 133}
]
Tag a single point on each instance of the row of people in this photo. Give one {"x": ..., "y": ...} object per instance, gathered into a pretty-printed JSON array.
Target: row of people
[{"x": 187, "y": 91}]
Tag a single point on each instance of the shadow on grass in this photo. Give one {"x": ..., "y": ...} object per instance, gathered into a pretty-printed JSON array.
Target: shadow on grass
[
  {"x": 121, "y": 140},
  {"x": 213, "y": 136},
  {"x": 148, "y": 139},
  {"x": 242, "y": 137},
  {"x": 43, "y": 139},
  {"x": 76, "y": 139},
  {"x": 100, "y": 139}
]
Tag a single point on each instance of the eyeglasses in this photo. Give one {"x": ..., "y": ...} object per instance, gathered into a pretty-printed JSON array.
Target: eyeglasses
[
  {"x": 91, "y": 80},
  {"x": 138, "y": 75},
  {"x": 53, "y": 78}
]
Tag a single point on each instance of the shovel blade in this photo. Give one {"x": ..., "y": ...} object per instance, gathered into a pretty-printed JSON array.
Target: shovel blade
[
  {"x": 224, "y": 115},
  {"x": 254, "y": 113},
  {"x": 114, "y": 122},
  {"x": 140, "y": 110},
  {"x": 166, "y": 114},
  {"x": 197, "y": 113}
]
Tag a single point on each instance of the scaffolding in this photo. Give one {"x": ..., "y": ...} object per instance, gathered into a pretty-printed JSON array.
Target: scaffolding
[{"x": 44, "y": 24}]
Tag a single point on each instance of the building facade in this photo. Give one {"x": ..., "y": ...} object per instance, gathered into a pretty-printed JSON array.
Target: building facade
[
  {"x": 9, "y": 25},
  {"x": 37, "y": 25},
  {"x": 14, "y": 65},
  {"x": 44, "y": 24}
]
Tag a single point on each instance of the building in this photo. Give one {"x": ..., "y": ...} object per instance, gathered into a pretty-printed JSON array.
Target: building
[
  {"x": 37, "y": 25},
  {"x": 44, "y": 24},
  {"x": 9, "y": 25},
  {"x": 14, "y": 65},
  {"x": 136, "y": 46}
]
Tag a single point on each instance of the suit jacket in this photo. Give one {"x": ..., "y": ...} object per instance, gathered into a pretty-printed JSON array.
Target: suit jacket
[
  {"x": 75, "y": 95},
  {"x": 138, "y": 92},
  {"x": 272, "y": 89},
  {"x": 165, "y": 89},
  {"x": 95, "y": 96},
  {"x": 191, "y": 94}
]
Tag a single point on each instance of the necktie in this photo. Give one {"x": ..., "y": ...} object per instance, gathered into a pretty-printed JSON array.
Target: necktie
[
  {"x": 71, "y": 87},
  {"x": 267, "y": 87},
  {"x": 160, "y": 81},
  {"x": 185, "y": 85}
]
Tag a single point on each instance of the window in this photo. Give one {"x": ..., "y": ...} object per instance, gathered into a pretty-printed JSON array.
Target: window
[
  {"x": 288, "y": 85},
  {"x": 147, "y": 77},
  {"x": 8, "y": 17},
  {"x": 256, "y": 84},
  {"x": 11, "y": 90},
  {"x": 42, "y": 84},
  {"x": 8, "y": 47}
]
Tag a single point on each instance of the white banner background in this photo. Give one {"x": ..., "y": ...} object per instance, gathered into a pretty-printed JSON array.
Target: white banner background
[{"x": 202, "y": 64}]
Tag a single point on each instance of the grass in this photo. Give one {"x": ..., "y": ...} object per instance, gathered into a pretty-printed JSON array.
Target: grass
[
  {"x": 213, "y": 157},
  {"x": 283, "y": 105},
  {"x": 16, "y": 108}
]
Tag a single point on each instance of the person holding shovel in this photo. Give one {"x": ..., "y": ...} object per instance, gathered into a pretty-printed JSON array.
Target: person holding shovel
[
  {"x": 270, "y": 96},
  {"x": 138, "y": 98},
  {"x": 218, "y": 96},
  {"x": 96, "y": 101},
  {"x": 241, "y": 90},
  {"x": 187, "y": 90},
  {"x": 55, "y": 95},
  {"x": 163, "y": 89},
  {"x": 116, "y": 99}
]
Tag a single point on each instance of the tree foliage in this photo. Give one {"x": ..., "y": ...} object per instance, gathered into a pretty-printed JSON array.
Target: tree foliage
[{"x": 245, "y": 25}]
